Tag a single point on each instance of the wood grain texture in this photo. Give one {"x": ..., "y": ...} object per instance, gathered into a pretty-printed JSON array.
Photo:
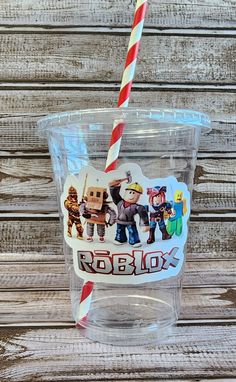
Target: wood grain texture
[
  {"x": 27, "y": 185},
  {"x": 18, "y": 306},
  {"x": 167, "y": 14},
  {"x": 208, "y": 183},
  {"x": 20, "y": 110},
  {"x": 50, "y": 276},
  {"x": 100, "y": 57},
  {"x": 62, "y": 354},
  {"x": 76, "y": 66},
  {"x": 33, "y": 240}
]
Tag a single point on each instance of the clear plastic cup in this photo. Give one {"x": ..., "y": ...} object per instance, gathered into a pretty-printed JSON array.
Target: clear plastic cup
[{"x": 158, "y": 152}]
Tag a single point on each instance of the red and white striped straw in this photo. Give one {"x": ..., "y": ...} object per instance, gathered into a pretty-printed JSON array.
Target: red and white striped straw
[
  {"x": 118, "y": 127},
  {"x": 127, "y": 82}
]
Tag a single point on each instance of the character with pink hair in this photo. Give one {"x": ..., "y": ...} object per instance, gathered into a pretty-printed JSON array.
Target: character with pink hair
[{"x": 159, "y": 210}]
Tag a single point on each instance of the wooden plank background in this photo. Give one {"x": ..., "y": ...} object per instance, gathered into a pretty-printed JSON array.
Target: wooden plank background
[
  {"x": 193, "y": 352},
  {"x": 178, "y": 14},
  {"x": 68, "y": 54},
  {"x": 74, "y": 56},
  {"x": 20, "y": 109}
]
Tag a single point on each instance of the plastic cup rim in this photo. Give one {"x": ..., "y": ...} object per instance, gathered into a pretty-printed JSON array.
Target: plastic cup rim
[{"x": 182, "y": 118}]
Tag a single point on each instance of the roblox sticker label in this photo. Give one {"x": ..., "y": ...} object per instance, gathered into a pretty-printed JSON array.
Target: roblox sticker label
[{"x": 123, "y": 227}]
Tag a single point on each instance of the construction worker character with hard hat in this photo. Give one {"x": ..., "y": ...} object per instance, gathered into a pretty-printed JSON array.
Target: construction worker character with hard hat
[{"x": 127, "y": 208}]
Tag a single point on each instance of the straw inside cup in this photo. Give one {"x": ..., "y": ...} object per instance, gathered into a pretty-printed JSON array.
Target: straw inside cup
[{"x": 118, "y": 127}]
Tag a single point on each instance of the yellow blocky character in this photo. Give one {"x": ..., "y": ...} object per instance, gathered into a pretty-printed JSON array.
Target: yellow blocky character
[{"x": 179, "y": 209}]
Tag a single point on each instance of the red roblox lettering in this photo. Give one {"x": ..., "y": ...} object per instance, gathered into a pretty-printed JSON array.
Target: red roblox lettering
[{"x": 137, "y": 263}]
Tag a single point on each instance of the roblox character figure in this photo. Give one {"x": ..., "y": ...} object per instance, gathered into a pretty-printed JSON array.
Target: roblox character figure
[
  {"x": 73, "y": 208},
  {"x": 179, "y": 209},
  {"x": 159, "y": 210},
  {"x": 95, "y": 209},
  {"x": 127, "y": 208}
]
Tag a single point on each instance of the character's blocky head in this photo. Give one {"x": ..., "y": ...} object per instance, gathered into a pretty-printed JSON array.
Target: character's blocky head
[
  {"x": 95, "y": 197},
  {"x": 156, "y": 195},
  {"x": 133, "y": 193},
  {"x": 178, "y": 196},
  {"x": 135, "y": 187},
  {"x": 72, "y": 193}
]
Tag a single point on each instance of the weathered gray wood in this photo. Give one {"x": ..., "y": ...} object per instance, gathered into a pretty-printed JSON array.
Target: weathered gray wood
[
  {"x": 168, "y": 13},
  {"x": 35, "y": 240},
  {"x": 27, "y": 185},
  {"x": 208, "y": 183},
  {"x": 18, "y": 307},
  {"x": 63, "y": 354},
  {"x": 20, "y": 109},
  {"x": 49, "y": 276},
  {"x": 100, "y": 57},
  {"x": 31, "y": 251},
  {"x": 31, "y": 240},
  {"x": 218, "y": 103}
]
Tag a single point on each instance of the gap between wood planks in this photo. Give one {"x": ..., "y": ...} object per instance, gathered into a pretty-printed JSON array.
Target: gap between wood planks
[
  {"x": 40, "y": 29},
  {"x": 61, "y": 85},
  {"x": 70, "y": 324},
  {"x": 46, "y": 155},
  {"x": 115, "y": 86},
  {"x": 63, "y": 289}
]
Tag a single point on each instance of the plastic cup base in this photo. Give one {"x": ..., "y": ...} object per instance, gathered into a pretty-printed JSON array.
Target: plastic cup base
[{"x": 129, "y": 320}]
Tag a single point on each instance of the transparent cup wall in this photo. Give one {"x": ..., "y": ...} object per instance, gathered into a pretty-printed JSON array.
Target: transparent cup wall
[{"x": 162, "y": 143}]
